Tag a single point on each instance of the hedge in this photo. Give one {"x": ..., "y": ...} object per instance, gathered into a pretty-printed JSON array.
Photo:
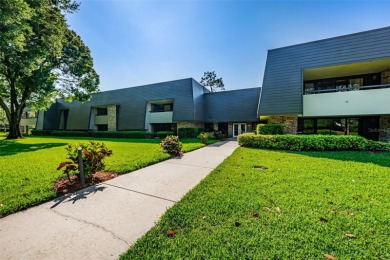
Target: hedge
[
  {"x": 270, "y": 129},
  {"x": 189, "y": 132},
  {"x": 41, "y": 132},
  {"x": 310, "y": 142},
  {"x": 163, "y": 134},
  {"x": 98, "y": 134}
]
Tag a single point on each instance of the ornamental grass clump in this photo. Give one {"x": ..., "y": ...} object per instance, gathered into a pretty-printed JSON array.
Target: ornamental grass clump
[
  {"x": 93, "y": 154},
  {"x": 172, "y": 145}
]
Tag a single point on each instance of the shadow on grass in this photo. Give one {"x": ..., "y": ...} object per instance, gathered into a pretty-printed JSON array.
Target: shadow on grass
[
  {"x": 381, "y": 159},
  {"x": 8, "y": 147}
]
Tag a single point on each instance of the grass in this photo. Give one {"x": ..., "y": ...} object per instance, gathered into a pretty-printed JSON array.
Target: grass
[
  {"x": 28, "y": 166},
  {"x": 300, "y": 207}
]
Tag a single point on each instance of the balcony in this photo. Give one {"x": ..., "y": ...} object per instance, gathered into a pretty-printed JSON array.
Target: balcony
[
  {"x": 363, "y": 100},
  {"x": 28, "y": 121},
  {"x": 101, "y": 120},
  {"x": 160, "y": 117}
]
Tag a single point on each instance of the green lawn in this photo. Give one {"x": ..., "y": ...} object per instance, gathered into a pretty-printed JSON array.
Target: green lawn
[
  {"x": 28, "y": 166},
  {"x": 300, "y": 207}
]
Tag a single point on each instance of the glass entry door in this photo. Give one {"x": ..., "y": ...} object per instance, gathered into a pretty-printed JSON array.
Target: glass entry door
[{"x": 238, "y": 128}]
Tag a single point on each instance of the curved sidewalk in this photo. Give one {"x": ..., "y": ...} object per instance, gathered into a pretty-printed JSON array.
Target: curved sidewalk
[{"x": 102, "y": 221}]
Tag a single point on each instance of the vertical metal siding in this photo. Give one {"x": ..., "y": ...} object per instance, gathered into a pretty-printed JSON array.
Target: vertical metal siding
[
  {"x": 232, "y": 106},
  {"x": 282, "y": 83},
  {"x": 132, "y": 105},
  {"x": 198, "y": 97}
]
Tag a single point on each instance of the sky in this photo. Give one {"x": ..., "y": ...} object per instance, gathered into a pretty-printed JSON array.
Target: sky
[{"x": 135, "y": 43}]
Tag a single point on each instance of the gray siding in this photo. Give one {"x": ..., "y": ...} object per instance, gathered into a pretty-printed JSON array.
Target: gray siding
[
  {"x": 198, "y": 96},
  {"x": 282, "y": 84},
  {"x": 131, "y": 104},
  {"x": 51, "y": 118},
  {"x": 232, "y": 106}
]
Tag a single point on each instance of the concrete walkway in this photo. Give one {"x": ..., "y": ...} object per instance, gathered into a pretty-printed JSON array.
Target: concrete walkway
[{"x": 103, "y": 221}]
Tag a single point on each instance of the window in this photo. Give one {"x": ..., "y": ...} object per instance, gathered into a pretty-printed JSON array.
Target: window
[
  {"x": 347, "y": 83},
  {"x": 164, "y": 127},
  {"x": 162, "y": 107},
  {"x": 101, "y": 111},
  {"x": 102, "y": 127}
]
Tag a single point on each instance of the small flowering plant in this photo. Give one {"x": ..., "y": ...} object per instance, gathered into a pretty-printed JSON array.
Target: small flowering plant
[
  {"x": 172, "y": 145},
  {"x": 93, "y": 154}
]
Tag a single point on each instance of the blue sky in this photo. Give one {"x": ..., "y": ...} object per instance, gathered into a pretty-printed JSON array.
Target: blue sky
[{"x": 140, "y": 42}]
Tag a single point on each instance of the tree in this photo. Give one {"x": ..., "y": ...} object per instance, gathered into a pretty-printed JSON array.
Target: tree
[
  {"x": 210, "y": 80},
  {"x": 41, "y": 58}
]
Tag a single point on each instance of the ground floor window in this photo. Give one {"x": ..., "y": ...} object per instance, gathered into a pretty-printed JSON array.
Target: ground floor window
[
  {"x": 223, "y": 128},
  {"x": 340, "y": 126},
  {"x": 164, "y": 127},
  {"x": 209, "y": 127},
  {"x": 102, "y": 127}
]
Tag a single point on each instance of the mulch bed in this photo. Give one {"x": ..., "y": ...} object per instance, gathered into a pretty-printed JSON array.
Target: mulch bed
[{"x": 64, "y": 186}]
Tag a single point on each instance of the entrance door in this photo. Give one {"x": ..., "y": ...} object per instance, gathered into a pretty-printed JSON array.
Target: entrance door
[{"x": 238, "y": 128}]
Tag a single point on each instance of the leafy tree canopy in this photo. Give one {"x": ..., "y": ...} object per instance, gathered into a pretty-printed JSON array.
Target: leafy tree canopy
[
  {"x": 210, "y": 80},
  {"x": 41, "y": 58}
]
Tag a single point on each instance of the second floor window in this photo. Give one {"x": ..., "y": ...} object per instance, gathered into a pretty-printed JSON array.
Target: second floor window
[
  {"x": 162, "y": 107},
  {"x": 100, "y": 111}
]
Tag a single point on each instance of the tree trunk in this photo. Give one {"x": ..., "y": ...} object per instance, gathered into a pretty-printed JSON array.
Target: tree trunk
[{"x": 14, "y": 127}]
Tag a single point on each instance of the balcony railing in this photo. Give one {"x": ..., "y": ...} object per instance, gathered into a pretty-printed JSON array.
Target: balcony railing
[{"x": 345, "y": 89}]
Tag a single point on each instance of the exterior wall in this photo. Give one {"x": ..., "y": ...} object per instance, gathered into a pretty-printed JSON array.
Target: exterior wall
[
  {"x": 230, "y": 129},
  {"x": 40, "y": 119},
  {"x": 111, "y": 118},
  {"x": 290, "y": 123},
  {"x": 384, "y": 128},
  {"x": 282, "y": 85},
  {"x": 187, "y": 124},
  {"x": 385, "y": 77},
  {"x": 132, "y": 102},
  {"x": 360, "y": 102},
  {"x": 232, "y": 106},
  {"x": 197, "y": 92}
]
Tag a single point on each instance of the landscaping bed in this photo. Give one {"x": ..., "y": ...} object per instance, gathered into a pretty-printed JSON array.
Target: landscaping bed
[
  {"x": 264, "y": 204},
  {"x": 64, "y": 185},
  {"x": 28, "y": 166}
]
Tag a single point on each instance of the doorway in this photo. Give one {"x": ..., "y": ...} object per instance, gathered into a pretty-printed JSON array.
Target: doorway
[{"x": 238, "y": 128}]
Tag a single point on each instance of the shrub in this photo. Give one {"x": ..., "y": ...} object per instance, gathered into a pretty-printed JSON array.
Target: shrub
[
  {"x": 219, "y": 135},
  {"x": 326, "y": 132},
  {"x": 304, "y": 142},
  {"x": 378, "y": 146},
  {"x": 93, "y": 154},
  {"x": 204, "y": 138},
  {"x": 69, "y": 133},
  {"x": 122, "y": 134},
  {"x": 269, "y": 129},
  {"x": 41, "y": 132},
  {"x": 172, "y": 145},
  {"x": 189, "y": 132},
  {"x": 163, "y": 134},
  {"x": 100, "y": 134}
]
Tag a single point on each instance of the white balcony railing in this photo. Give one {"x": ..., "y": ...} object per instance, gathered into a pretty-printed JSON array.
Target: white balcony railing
[
  {"x": 160, "y": 117},
  {"x": 345, "y": 88},
  {"x": 28, "y": 121},
  {"x": 101, "y": 120},
  {"x": 370, "y": 100}
]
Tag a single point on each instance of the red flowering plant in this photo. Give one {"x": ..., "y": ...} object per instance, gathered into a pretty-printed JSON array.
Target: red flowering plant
[{"x": 93, "y": 154}]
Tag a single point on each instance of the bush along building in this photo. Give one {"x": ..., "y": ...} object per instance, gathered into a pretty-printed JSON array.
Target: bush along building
[
  {"x": 337, "y": 86},
  {"x": 165, "y": 106}
]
